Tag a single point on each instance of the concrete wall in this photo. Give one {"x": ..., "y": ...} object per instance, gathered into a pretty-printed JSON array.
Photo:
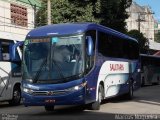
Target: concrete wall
[
  {"x": 9, "y": 30},
  {"x": 136, "y": 11}
]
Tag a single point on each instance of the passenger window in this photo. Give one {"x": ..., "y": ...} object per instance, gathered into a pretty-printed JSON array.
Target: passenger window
[
  {"x": 112, "y": 46},
  {"x": 5, "y": 51},
  {"x": 6, "y": 47}
]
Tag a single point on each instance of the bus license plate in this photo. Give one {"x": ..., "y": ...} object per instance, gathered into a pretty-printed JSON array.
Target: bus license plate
[{"x": 50, "y": 101}]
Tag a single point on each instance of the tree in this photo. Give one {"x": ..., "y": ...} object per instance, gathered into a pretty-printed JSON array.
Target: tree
[
  {"x": 67, "y": 11},
  {"x": 143, "y": 41},
  {"x": 157, "y": 37},
  {"x": 113, "y": 13},
  {"x": 41, "y": 15},
  {"x": 110, "y": 13}
]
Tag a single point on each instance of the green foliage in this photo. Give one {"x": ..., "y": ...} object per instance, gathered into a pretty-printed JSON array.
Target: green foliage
[
  {"x": 113, "y": 13},
  {"x": 143, "y": 41},
  {"x": 110, "y": 13},
  {"x": 157, "y": 37},
  {"x": 66, "y": 11},
  {"x": 41, "y": 15}
]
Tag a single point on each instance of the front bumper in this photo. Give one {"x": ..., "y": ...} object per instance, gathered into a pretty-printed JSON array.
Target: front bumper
[{"x": 72, "y": 98}]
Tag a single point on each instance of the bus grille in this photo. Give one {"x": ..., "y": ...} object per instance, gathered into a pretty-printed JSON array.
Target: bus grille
[{"x": 49, "y": 93}]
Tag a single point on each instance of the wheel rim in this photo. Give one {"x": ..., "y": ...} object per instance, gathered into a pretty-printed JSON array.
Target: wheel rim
[
  {"x": 100, "y": 96},
  {"x": 131, "y": 90},
  {"x": 16, "y": 96}
]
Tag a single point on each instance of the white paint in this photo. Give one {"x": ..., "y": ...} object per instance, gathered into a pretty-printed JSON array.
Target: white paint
[
  {"x": 7, "y": 29},
  {"x": 19, "y": 51},
  {"x": 112, "y": 78},
  {"x": 7, "y": 82}
]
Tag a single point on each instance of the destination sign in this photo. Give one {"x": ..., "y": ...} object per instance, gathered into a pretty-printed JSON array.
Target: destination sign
[{"x": 40, "y": 40}]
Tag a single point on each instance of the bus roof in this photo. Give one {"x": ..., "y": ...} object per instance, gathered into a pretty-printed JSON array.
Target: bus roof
[{"x": 73, "y": 28}]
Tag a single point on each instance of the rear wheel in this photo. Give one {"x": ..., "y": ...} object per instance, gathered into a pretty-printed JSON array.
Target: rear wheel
[
  {"x": 129, "y": 95},
  {"x": 16, "y": 99},
  {"x": 96, "y": 105},
  {"x": 143, "y": 82},
  {"x": 49, "y": 108}
]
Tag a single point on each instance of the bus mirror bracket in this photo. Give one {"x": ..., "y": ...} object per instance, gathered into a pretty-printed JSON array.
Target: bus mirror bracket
[
  {"x": 14, "y": 50},
  {"x": 89, "y": 42}
]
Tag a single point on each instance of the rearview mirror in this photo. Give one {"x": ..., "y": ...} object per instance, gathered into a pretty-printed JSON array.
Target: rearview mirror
[
  {"x": 14, "y": 56},
  {"x": 89, "y": 45}
]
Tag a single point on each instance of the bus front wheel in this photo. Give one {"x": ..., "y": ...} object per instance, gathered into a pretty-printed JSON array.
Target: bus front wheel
[
  {"x": 96, "y": 105},
  {"x": 49, "y": 108}
]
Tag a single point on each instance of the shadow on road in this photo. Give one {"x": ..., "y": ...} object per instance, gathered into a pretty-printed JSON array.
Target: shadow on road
[
  {"x": 148, "y": 95},
  {"x": 7, "y": 105},
  {"x": 70, "y": 114}
]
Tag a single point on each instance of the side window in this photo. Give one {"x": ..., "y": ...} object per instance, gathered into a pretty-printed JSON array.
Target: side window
[
  {"x": 90, "y": 59},
  {"x": 103, "y": 45},
  {"x": 0, "y": 51},
  {"x": 131, "y": 49},
  {"x": 134, "y": 50},
  {"x": 5, "y": 49},
  {"x": 109, "y": 45},
  {"x": 117, "y": 47},
  {"x": 127, "y": 47}
]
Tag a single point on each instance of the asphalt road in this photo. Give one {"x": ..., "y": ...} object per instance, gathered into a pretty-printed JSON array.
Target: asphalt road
[{"x": 144, "y": 106}]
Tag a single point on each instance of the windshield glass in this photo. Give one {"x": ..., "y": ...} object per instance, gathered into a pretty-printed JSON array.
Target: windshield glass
[{"x": 53, "y": 59}]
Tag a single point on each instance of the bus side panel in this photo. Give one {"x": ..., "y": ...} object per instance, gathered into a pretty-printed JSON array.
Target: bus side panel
[
  {"x": 8, "y": 73},
  {"x": 114, "y": 74},
  {"x": 135, "y": 74},
  {"x": 5, "y": 79},
  {"x": 91, "y": 87}
]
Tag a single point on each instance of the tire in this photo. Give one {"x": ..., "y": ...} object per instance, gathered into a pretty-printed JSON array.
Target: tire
[
  {"x": 158, "y": 80},
  {"x": 49, "y": 108},
  {"x": 96, "y": 105},
  {"x": 16, "y": 99},
  {"x": 81, "y": 108},
  {"x": 129, "y": 95},
  {"x": 143, "y": 82}
]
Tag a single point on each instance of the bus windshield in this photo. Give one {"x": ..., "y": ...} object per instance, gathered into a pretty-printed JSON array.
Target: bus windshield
[{"x": 53, "y": 59}]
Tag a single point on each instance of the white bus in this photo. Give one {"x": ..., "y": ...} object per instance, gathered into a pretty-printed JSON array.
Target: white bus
[{"x": 10, "y": 73}]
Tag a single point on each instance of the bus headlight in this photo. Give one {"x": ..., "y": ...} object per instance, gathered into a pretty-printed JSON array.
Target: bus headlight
[
  {"x": 29, "y": 80},
  {"x": 27, "y": 90},
  {"x": 77, "y": 87}
]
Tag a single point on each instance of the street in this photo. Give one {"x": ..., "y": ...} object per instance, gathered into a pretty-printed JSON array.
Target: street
[{"x": 146, "y": 101}]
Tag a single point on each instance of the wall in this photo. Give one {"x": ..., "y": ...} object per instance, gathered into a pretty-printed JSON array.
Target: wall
[{"x": 12, "y": 31}]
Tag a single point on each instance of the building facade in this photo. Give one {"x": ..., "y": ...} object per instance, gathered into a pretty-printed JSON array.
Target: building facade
[
  {"x": 17, "y": 18},
  {"x": 141, "y": 18}
]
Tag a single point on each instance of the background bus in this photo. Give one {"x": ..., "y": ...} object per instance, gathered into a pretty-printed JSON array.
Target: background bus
[
  {"x": 78, "y": 63},
  {"x": 150, "y": 66},
  {"x": 10, "y": 73}
]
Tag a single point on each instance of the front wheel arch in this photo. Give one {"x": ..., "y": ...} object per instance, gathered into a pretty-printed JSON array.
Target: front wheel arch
[{"x": 96, "y": 105}]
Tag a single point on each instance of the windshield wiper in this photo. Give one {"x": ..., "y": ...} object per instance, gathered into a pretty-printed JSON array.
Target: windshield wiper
[
  {"x": 59, "y": 70},
  {"x": 44, "y": 63},
  {"x": 55, "y": 63}
]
